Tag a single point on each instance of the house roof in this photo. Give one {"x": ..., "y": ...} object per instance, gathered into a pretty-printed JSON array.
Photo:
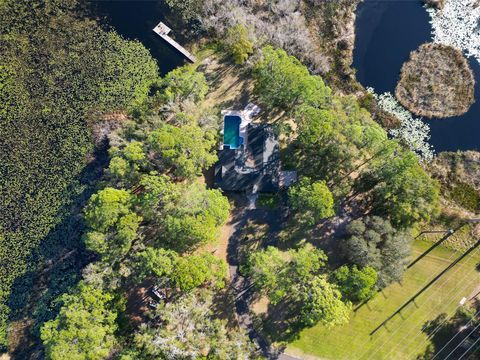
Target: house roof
[{"x": 231, "y": 173}]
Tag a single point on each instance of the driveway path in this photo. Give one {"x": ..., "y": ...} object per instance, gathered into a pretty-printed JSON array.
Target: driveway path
[{"x": 242, "y": 286}]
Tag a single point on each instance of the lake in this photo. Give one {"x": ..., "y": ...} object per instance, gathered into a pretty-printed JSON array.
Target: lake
[
  {"x": 135, "y": 20},
  {"x": 386, "y": 33}
]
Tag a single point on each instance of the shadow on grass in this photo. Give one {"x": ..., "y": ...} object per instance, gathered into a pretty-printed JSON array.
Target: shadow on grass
[
  {"x": 453, "y": 337},
  {"x": 281, "y": 322}
]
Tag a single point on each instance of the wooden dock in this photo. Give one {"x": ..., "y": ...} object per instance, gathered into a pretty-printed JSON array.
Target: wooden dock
[{"x": 163, "y": 30}]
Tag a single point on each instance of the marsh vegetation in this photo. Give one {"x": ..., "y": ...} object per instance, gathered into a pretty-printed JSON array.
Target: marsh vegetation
[{"x": 436, "y": 82}]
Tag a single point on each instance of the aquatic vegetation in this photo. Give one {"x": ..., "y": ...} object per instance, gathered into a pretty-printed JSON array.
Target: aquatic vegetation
[
  {"x": 457, "y": 25},
  {"x": 436, "y": 82},
  {"x": 413, "y": 131}
]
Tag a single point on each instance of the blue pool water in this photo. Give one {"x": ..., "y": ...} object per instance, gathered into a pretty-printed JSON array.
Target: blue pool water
[{"x": 231, "y": 131}]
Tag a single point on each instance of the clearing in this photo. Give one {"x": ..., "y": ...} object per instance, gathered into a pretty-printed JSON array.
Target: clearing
[{"x": 402, "y": 337}]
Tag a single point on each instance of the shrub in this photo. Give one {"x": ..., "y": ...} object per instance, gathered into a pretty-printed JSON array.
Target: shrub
[
  {"x": 238, "y": 44},
  {"x": 466, "y": 196}
]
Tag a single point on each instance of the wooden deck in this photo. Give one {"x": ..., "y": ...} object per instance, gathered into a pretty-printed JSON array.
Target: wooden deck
[{"x": 163, "y": 30}]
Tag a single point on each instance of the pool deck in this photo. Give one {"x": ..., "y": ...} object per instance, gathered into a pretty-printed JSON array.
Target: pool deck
[{"x": 243, "y": 125}]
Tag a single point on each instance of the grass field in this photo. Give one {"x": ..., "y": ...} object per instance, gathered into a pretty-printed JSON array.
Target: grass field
[{"x": 402, "y": 337}]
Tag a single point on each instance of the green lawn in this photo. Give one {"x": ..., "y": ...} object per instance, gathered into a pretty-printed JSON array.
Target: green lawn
[{"x": 402, "y": 338}]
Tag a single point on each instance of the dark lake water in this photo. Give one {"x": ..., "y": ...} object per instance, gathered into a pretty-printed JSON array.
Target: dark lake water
[
  {"x": 135, "y": 20},
  {"x": 386, "y": 33}
]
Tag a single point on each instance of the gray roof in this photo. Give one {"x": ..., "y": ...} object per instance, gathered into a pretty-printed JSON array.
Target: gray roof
[{"x": 263, "y": 148}]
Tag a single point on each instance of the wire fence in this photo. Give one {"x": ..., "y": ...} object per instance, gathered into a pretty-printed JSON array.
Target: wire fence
[{"x": 383, "y": 341}]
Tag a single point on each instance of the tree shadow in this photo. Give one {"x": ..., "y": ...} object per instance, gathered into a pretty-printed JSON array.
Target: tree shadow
[
  {"x": 281, "y": 322},
  {"x": 253, "y": 229},
  {"x": 55, "y": 266},
  {"x": 451, "y": 337}
]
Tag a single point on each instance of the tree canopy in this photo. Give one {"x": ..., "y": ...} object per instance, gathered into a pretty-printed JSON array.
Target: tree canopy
[
  {"x": 374, "y": 242},
  {"x": 184, "y": 272},
  {"x": 112, "y": 225},
  {"x": 185, "y": 215},
  {"x": 404, "y": 191},
  {"x": 312, "y": 201},
  {"x": 185, "y": 150},
  {"x": 356, "y": 284},
  {"x": 338, "y": 140},
  {"x": 183, "y": 83},
  {"x": 188, "y": 330},
  {"x": 322, "y": 303},
  {"x": 238, "y": 43},
  {"x": 299, "y": 277},
  {"x": 195, "y": 270},
  {"x": 84, "y": 329},
  {"x": 282, "y": 81}
]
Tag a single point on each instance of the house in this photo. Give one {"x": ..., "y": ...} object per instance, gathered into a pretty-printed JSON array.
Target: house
[{"x": 249, "y": 158}]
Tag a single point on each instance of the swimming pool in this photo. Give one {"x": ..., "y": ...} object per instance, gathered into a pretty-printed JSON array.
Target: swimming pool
[{"x": 231, "y": 131}]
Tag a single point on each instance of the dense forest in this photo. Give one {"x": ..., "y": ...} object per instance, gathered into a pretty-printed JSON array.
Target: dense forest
[{"x": 105, "y": 192}]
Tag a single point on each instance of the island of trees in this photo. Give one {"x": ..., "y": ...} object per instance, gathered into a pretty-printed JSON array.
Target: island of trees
[{"x": 436, "y": 82}]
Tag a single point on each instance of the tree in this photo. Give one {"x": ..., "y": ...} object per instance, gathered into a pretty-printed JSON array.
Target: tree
[
  {"x": 127, "y": 227},
  {"x": 195, "y": 217},
  {"x": 316, "y": 126},
  {"x": 159, "y": 193},
  {"x": 338, "y": 141},
  {"x": 186, "y": 150},
  {"x": 356, "y": 284},
  {"x": 238, "y": 43},
  {"x": 184, "y": 272},
  {"x": 209, "y": 203},
  {"x": 182, "y": 84},
  {"x": 297, "y": 278},
  {"x": 157, "y": 261},
  {"x": 188, "y": 329},
  {"x": 188, "y": 231},
  {"x": 373, "y": 242},
  {"x": 118, "y": 168},
  {"x": 305, "y": 262},
  {"x": 181, "y": 216},
  {"x": 188, "y": 9},
  {"x": 191, "y": 271},
  {"x": 282, "y": 81},
  {"x": 126, "y": 162},
  {"x": 106, "y": 207},
  {"x": 268, "y": 271},
  {"x": 404, "y": 191},
  {"x": 322, "y": 303},
  {"x": 312, "y": 201},
  {"x": 279, "y": 274},
  {"x": 112, "y": 225},
  {"x": 84, "y": 327}
]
